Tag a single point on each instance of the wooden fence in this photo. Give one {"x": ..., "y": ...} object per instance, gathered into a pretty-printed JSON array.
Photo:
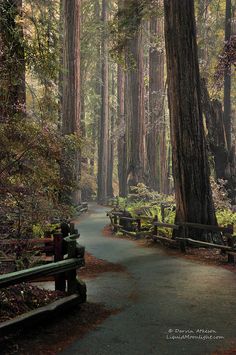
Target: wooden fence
[
  {"x": 83, "y": 207},
  {"x": 224, "y": 235},
  {"x": 114, "y": 202},
  {"x": 68, "y": 257}
]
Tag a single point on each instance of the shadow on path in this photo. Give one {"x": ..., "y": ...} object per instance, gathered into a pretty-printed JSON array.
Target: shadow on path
[{"x": 161, "y": 297}]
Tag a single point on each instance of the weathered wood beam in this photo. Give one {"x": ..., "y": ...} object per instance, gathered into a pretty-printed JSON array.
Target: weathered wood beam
[
  {"x": 164, "y": 239},
  {"x": 17, "y": 277},
  {"x": 204, "y": 244},
  {"x": 166, "y": 225},
  {"x": 47, "y": 312},
  {"x": 229, "y": 229}
]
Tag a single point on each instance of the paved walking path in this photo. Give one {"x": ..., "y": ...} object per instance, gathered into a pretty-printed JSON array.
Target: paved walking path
[{"x": 160, "y": 296}]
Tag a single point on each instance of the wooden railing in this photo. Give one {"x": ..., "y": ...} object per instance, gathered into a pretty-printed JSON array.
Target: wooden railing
[
  {"x": 113, "y": 202},
  {"x": 32, "y": 274},
  {"x": 225, "y": 234},
  {"x": 66, "y": 269},
  {"x": 83, "y": 207},
  {"x": 69, "y": 256}
]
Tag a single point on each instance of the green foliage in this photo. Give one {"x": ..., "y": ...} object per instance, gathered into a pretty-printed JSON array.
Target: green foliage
[
  {"x": 146, "y": 202},
  {"x": 29, "y": 171},
  {"x": 38, "y": 231},
  {"x": 141, "y": 193},
  {"x": 31, "y": 144},
  {"x": 20, "y": 265},
  {"x": 225, "y": 217},
  {"x": 42, "y": 47},
  {"x": 127, "y": 21},
  {"x": 210, "y": 29}
]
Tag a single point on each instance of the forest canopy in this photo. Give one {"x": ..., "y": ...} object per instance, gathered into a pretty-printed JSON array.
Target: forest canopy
[{"x": 98, "y": 96}]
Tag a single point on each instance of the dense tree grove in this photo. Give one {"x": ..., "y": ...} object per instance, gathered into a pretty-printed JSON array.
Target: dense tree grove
[{"x": 98, "y": 96}]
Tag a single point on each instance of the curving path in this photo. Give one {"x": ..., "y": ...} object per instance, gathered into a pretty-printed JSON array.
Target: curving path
[{"x": 160, "y": 296}]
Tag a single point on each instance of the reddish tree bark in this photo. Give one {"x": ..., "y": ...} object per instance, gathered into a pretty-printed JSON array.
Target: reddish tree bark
[
  {"x": 190, "y": 163},
  {"x": 136, "y": 111},
  {"x": 227, "y": 79},
  {"x": 156, "y": 142},
  {"x": 122, "y": 123},
  {"x": 104, "y": 128},
  {"x": 71, "y": 165}
]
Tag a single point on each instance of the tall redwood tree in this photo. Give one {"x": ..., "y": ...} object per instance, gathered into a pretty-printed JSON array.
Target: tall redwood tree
[
  {"x": 190, "y": 164},
  {"x": 135, "y": 95},
  {"x": 71, "y": 165},
  {"x": 122, "y": 123},
  {"x": 103, "y": 150}
]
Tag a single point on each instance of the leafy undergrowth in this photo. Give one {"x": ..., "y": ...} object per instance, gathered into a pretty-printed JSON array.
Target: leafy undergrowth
[
  {"x": 19, "y": 299},
  {"x": 142, "y": 200}
]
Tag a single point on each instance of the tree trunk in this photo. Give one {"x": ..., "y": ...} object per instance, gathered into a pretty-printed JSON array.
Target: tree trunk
[
  {"x": 60, "y": 73},
  {"x": 163, "y": 159},
  {"x": 12, "y": 81},
  {"x": 135, "y": 96},
  {"x": 97, "y": 89},
  {"x": 223, "y": 161},
  {"x": 122, "y": 124},
  {"x": 190, "y": 164},
  {"x": 227, "y": 79},
  {"x": 216, "y": 132},
  {"x": 156, "y": 129},
  {"x": 104, "y": 128},
  {"x": 84, "y": 159},
  {"x": 71, "y": 165},
  {"x": 202, "y": 15},
  {"x": 154, "y": 107},
  {"x": 111, "y": 140},
  {"x": 122, "y": 140}
]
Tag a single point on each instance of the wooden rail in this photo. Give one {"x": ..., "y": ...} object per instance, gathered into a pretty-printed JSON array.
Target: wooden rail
[
  {"x": 29, "y": 319},
  {"x": 200, "y": 243},
  {"x": 68, "y": 256},
  {"x": 229, "y": 229},
  {"x": 116, "y": 218},
  {"x": 166, "y": 225},
  {"x": 59, "y": 267},
  {"x": 83, "y": 207}
]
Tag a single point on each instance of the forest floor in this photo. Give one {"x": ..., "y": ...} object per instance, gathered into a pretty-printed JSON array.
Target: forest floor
[{"x": 141, "y": 300}]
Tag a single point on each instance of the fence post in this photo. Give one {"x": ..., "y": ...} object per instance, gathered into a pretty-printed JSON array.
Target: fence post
[
  {"x": 60, "y": 282},
  {"x": 162, "y": 212},
  {"x": 155, "y": 227},
  {"x": 183, "y": 234},
  {"x": 71, "y": 278},
  {"x": 115, "y": 223},
  {"x": 72, "y": 228},
  {"x": 139, "y": 224}
]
